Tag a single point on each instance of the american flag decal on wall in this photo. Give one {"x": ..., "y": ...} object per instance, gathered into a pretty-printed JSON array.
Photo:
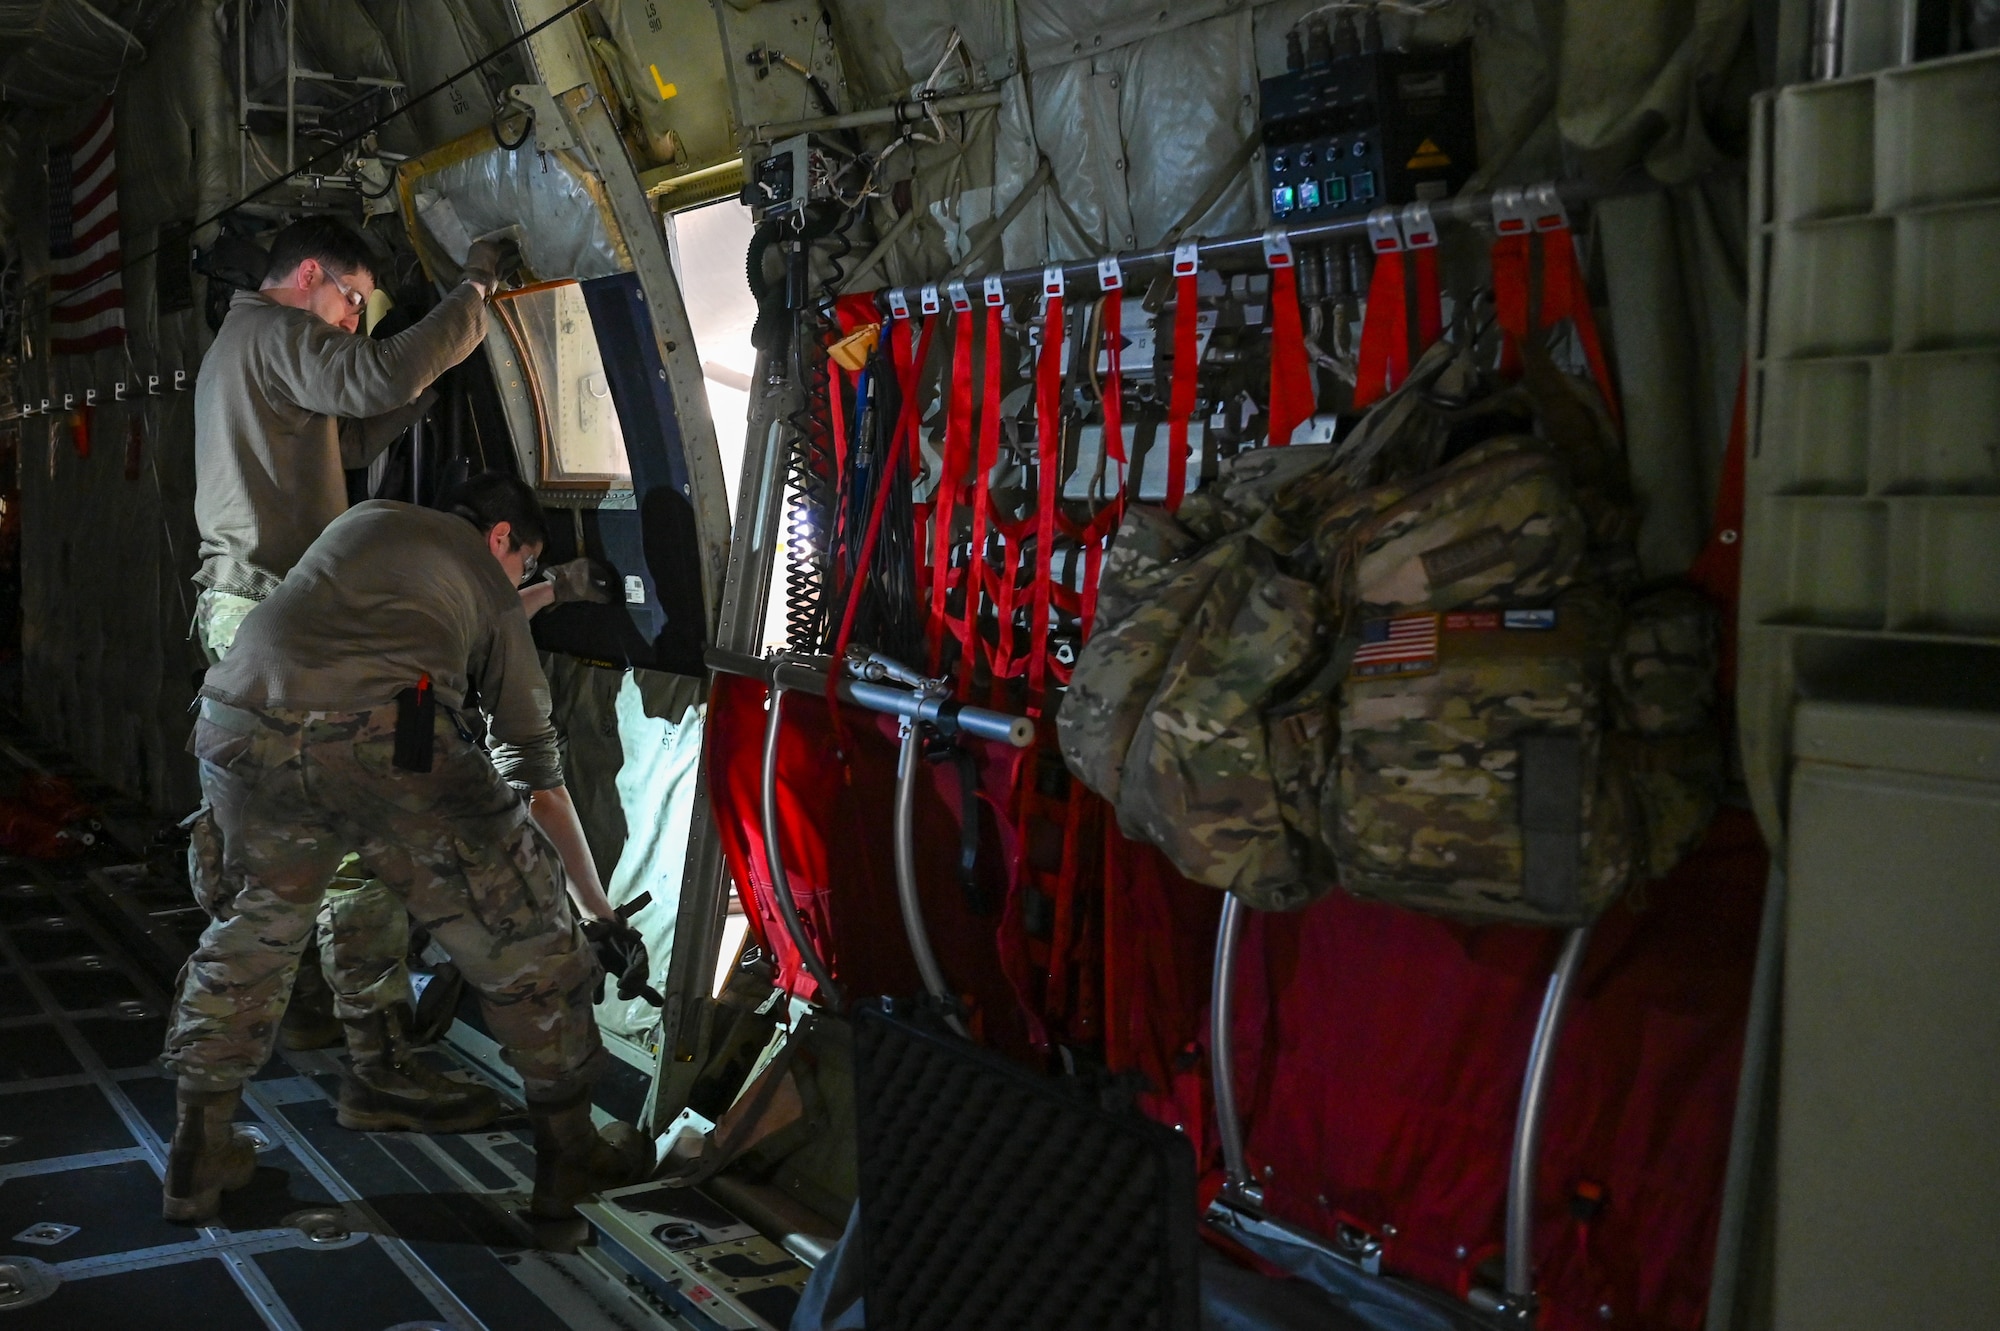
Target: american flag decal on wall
[{"x": 86, "y": 290}]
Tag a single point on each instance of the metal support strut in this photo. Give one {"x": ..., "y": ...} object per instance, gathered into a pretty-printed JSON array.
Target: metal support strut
[
  {"x": 1236, "y": 1180},
  {"x": 889, "y": 687},
  {"x": 1526, "y": 1164},
  {"x": 774, "y": 859},
  {"x": 909, "y": 760}
]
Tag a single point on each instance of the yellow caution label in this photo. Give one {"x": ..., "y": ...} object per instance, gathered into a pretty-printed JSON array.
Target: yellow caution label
[
  {"x": 1428, "y": 156},
  {"x": 669, "y": 91}
]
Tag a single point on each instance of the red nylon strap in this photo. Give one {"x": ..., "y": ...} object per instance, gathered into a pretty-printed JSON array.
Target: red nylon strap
[
  {"x": 1006, "y": 664},
  {"x": 1718, "y": 569},
  {"x": 1291, "y": 369},
  {"x": 1093, "y": 568},
  {"x": 976, "y": 572},
  {"x": 1114, "y": 385},
  {"x": 1106, "y": 522},
  {"x": 1180, "y": 396},
  {"x": 1063, "y": 934},
  {"x": 1384, "y": 358},
  {"x": 1430, "y": 306},
  {"x": 1048, "y": 474},
  {"x": 837, "y": 412},
  {"x": 902, "y": 445},
  {"x": 944, "y": 499},
  {"x": 1564, "y": 295},
  {"x": 1510, "y": 298},
  {"x": 855, "y": 310}
]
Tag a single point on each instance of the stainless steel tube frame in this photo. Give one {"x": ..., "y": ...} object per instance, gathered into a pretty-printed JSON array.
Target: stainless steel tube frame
[
  {"x": 1829, "y": 25},
  {"x": 774, "y": 858},
  {"x": 1526, "y": 1163},
  {"x": 889, "y": 699},
  {"x": 907, "y": 764},
  {"x": 1236, "y": 1180},
  {"x": 1760, "y": 1037},
  {"x": 909, "y": 111},
  {"x": 1249, "y": 245}
]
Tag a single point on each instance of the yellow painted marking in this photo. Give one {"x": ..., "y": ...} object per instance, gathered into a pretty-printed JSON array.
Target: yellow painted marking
[
  {"x": 668, "y": 91},
  {"x": 1428, "y": 155}
]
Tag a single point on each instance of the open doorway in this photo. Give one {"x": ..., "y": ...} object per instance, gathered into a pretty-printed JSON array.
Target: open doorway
[{"x": 708, "y": 245}]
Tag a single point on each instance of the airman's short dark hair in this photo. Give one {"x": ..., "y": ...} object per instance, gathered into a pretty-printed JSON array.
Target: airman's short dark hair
[
  {"x": 324, "y": 240},
  {"x": 494, "y": 497}
]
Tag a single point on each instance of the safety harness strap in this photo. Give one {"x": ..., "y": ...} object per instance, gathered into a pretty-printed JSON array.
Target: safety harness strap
[
  {"x": 1292, "y": 395},
  {"x": 957, "y": 442},
  {"x": 1564, "y": 296},
  {"x": 1405, "y": 312},
  {"x": 1510, "y": 296},
  {"x": 1110, "y": 280},
  {"x": 903, "y": 444},
  {"x": 1180, "y": 396},
  {"x": 976, "y": 573},
  {"x": 1048, "y": 473},
  {"x": 1534, "y": 221},
  {"x": 1383, "y": 358}
]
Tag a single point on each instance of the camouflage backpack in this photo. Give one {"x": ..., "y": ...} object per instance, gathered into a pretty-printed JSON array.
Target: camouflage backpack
[
  {"x": 1513, "y": 744},
  {"x": 1201, "y": 632},
  {"x": 1424, "y": 686},
  {"x": 1199, "y": 780}
]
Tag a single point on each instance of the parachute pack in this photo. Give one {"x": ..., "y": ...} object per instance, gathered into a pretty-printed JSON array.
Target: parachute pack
[{"x": 1416, "y": 663}]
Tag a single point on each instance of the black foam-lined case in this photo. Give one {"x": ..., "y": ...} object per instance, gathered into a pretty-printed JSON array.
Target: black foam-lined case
[{"x": 995, "y": 1198}]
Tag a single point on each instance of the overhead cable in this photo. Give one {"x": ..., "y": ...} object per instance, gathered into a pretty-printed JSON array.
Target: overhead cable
[{"x": 342, "y": 146}]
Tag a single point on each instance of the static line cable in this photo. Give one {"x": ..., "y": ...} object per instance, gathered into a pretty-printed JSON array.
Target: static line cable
[{"x": 323, "y": 154}]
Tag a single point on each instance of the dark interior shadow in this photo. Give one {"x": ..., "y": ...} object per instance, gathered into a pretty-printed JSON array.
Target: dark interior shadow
[{"x": 447, "y": 1217}]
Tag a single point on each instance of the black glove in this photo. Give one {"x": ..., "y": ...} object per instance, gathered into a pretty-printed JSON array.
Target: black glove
[
  {"x": 580, "y": 580},
  {"x": 485, "y": 261},
  {"x": 621, "y": 951}
]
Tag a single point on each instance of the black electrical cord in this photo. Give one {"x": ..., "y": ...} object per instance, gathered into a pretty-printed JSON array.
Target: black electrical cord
[
  {"x": 342, "y": 146},
  {"x": 810, "y": 478},
  {"x": 527, "y": 129}
]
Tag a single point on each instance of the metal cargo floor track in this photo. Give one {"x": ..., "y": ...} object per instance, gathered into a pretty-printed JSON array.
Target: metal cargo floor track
[{"x": 340, "y": 1231}]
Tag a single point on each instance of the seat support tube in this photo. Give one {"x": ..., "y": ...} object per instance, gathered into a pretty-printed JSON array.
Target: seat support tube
[{"x": 1525, "y": 1166}]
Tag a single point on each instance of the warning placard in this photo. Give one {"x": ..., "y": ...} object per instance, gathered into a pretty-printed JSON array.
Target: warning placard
[{"x": 1429, "y": 156}]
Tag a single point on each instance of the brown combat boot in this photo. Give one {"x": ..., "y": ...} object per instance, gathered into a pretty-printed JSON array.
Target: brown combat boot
[
  {"x": 573, "y": 1158},
  {"x": 387, "y": 1088},
  {"x": 208, "y": 1157}
]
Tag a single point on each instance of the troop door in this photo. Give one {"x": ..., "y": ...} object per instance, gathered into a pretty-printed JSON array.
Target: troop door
[
  {"x": 576, "y": 362},
  {"x": 608, "y": 457}
]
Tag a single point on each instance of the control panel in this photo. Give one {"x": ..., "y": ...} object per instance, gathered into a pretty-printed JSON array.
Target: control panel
[{"x": 1360, "y": 131}]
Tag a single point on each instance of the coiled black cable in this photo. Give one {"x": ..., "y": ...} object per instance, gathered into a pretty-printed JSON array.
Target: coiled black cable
[
  {"x": 809, "y": 482},
  {"x": 810, "y": 470}
]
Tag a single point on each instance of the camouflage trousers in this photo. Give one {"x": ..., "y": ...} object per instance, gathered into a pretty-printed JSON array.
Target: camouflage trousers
[
  {"x": 291, "y": 792},
  {"x": 364, "y": 932}
]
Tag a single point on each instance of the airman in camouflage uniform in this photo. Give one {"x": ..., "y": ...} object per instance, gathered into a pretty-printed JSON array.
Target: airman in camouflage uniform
[
  {"x": 336, "y": 723},
  {"x": 289, "y": 395},
  {"x": 291, "y": 791},
  {"x": 355, "y": 963}
]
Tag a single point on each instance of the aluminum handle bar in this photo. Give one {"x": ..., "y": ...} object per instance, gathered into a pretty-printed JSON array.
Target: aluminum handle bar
[{"x": 803, "y": 676}]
